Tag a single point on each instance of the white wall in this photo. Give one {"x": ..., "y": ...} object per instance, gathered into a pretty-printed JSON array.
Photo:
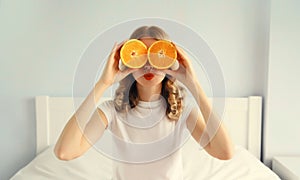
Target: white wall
[
  {"x": 41, "y": 42},
  {"x": 282, "y": 121}
]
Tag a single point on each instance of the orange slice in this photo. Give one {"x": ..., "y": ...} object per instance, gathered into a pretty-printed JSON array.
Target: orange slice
[
  {"x": 134, "y": 53},
  {"x": 162, "y": 54}
]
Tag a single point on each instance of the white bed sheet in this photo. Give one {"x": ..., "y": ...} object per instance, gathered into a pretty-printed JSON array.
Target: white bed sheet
[{"x": 197, "y": 165}]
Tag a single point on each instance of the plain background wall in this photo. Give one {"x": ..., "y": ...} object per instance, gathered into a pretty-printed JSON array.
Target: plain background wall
[
  {"x": 282, "y": 121},
  {"x": 41, "y": 43}
]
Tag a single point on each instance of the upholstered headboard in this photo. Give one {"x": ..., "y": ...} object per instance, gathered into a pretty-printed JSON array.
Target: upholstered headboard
[{"x": 242, "y": 118}]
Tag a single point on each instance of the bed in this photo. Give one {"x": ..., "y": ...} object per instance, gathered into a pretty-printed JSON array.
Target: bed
[{"x": 242, "y": 117}]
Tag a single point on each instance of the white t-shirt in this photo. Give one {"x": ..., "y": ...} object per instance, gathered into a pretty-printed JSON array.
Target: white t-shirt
[{"x": 147, "y": 142}]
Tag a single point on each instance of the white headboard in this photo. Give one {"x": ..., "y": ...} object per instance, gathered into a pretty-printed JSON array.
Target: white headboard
[{"x": 242, "y": 118}]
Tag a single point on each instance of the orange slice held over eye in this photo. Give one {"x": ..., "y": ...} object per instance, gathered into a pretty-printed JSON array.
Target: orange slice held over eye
[
  {"x": 133, "y": 53},
  {"x": 162, "y": 54}
]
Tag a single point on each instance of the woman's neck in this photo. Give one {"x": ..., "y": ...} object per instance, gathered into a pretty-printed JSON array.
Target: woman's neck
[{"x": 149, "y": 93}]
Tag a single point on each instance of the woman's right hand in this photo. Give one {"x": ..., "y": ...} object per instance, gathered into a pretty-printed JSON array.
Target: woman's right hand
[{"x": 111, "y": 73}]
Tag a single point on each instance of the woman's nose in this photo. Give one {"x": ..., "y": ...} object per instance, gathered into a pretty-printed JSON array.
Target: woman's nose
[{"x": 147, "y": 67}]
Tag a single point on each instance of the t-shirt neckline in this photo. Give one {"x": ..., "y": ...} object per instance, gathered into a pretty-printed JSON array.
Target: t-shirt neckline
[{"x": 150, "y": 104}]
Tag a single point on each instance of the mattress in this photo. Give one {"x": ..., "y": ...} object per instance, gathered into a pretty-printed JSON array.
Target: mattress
[{"x": 197, "y": 165}]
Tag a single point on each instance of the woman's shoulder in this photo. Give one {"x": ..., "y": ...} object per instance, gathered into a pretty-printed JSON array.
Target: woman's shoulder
[
  {"x": 106, "y": 104},
  {"x": 107, "y": 107},
  {"x": 189, "y": 104}
]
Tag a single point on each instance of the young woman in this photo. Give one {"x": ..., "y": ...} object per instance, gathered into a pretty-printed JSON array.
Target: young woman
[{"x": 145, "y": 110}]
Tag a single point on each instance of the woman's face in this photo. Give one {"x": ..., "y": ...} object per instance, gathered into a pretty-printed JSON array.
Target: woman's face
[{"x": 148, "y": 75}]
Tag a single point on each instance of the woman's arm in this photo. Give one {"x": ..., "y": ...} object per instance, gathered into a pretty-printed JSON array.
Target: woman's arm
[
  {"x": 206, "y": 127},
  {"x": 88, "y": 118},
  {"x": 215, "y": 139},
  {"x": 72, "y": 141}
]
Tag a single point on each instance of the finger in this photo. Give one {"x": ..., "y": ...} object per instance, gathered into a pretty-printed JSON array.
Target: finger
[
  {"x": 175, "y": 66},
  {"x": 129, "y": 71},
  {"x": 112, "y": 54},
  {"x": 118, "y": 49},
  {"x": 179, "y": 52},
  {"x": 119, "y": 46},
  {"x": 122, "y": 74},
  {"x": 122, "y": 43},
  {"x": 122, "y": 67},
  {"x": 114, "y": 47},
  {"x": 183, "y": 57},
  {"x": 170, "y": 72}
]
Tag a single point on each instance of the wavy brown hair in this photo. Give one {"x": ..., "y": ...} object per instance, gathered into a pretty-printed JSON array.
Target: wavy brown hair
[{"x": 126, "y": 95}]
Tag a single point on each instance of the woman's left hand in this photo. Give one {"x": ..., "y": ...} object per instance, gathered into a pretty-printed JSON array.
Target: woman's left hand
[{"x": 185, "y": 73}]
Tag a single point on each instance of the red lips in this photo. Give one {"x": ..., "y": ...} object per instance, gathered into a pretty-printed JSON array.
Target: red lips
[{"x": 148, "y": 76}]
